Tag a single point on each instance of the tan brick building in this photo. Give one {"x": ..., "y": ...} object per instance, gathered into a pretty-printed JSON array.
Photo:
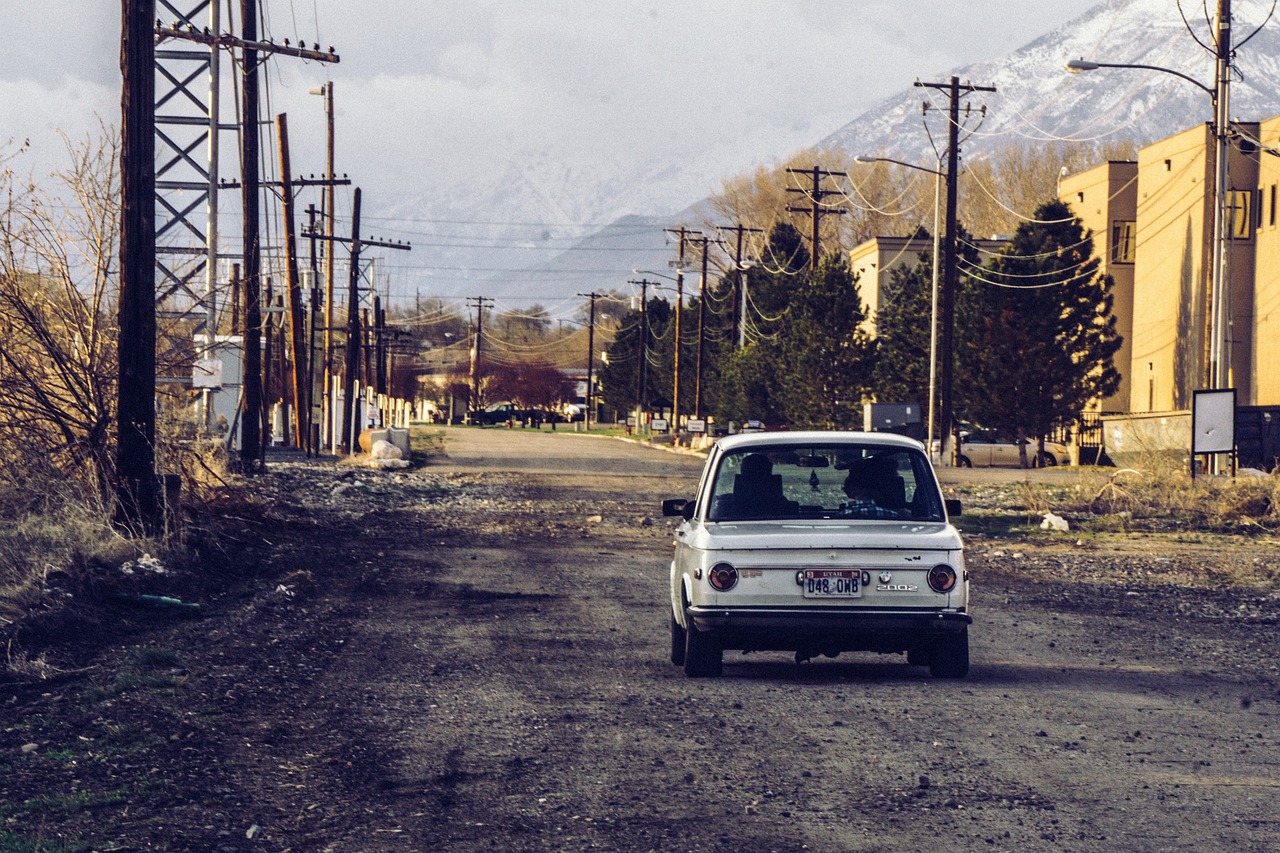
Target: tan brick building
[{"x": 1153, "y": 230}]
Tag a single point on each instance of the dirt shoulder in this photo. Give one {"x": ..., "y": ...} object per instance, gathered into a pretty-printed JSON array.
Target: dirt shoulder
[{"x": 472, "y": 656}]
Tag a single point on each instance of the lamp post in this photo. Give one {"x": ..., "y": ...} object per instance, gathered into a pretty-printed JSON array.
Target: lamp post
[
  {"x": 1220, "y": 293},
  {"x": 938, "y": 175}
]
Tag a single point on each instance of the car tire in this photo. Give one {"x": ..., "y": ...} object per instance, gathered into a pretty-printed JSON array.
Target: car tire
[
  {"x": 677, "y": 642},
  {"x": 703, "y": 656},
  {"x": 919, "y": 657},
  {"x": 1047, "y": 460},
  {"x": 965, "y": 462},
  {"x": 951, "y": 656}
]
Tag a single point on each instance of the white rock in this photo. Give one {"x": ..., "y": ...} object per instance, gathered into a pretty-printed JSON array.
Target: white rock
[{"x": 1054, "y": 522}]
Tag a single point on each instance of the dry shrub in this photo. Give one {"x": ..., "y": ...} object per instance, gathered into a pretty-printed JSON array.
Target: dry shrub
[{"x": 1166, "y": 492}]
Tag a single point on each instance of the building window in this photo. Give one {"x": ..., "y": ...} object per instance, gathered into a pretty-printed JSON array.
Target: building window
[
  {"x": 1238, "y": 206},
  {"x": 1272, "y": 221},
  {"x": 1122, "y": 242}
]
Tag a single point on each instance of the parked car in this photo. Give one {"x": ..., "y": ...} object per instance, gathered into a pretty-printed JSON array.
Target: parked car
[
  {"x": 500, "y": 413},
  {"x": 985, "y": 450},
  {"x": 818, "y": 543}
]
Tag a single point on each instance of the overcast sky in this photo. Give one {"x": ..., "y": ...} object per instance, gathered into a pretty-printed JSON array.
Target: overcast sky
[
  {"x": 437, "y": 98},
  {"x": 456, "y": 86}
]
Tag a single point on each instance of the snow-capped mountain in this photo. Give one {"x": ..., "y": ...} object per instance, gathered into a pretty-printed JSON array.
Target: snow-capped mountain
[{"x": 1036, "y": 99}]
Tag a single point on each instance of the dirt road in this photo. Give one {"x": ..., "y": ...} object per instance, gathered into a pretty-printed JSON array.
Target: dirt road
[{"x": 481, "y": 665}]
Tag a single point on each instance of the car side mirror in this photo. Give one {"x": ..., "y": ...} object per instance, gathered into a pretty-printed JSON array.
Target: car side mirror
[
  {"x": 953, "y": 507},
  {"x": 674, "y": 506}
]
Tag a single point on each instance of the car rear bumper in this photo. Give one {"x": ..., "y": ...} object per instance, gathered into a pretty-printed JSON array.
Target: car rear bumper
[{"x": 828, "y": 629}]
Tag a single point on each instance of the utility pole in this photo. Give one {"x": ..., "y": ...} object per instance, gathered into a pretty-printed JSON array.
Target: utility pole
[
  {"x": 251, "y": 48},
  {"x": 642, "y": 347},
  {"x": 235, "y": 299},
  {"x": 481, "y": 303},
  {"x": 251, "y": 437},
  {"x": 950, "y": 274},
  {"x": 353, "y": 331},
  {"x": 137, "y": 499},
  {"x": 379, "y": 345},
  {"x": 268, "y": 364},
  {"x": 739, "y": 285},
  {"x": 702, "y": 329},
  {"x": 684, "y": 234},
  {"x": 816, "y": 209},
  {"x": 1220, "y": 355},
  {"x": 591, "y": 354},
  {"x": 312, "y": 446},
  {"x": 301, "y": 421},
  {"x": 354, "y": 334},
  {"x": 328, "y": 213}
]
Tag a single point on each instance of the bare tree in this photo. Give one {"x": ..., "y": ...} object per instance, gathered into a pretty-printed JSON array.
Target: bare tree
[
  {"x": 876, "y": 199},
  {"x": 58, "y": 255}
]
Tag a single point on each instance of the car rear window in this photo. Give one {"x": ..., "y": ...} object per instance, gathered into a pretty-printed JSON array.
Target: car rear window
[{"x": 861, "y": 481}]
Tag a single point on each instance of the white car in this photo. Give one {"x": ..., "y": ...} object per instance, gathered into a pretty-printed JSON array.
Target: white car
[
  {"x": 818, "y": 543},
  {"x": 984, "y": 450}
]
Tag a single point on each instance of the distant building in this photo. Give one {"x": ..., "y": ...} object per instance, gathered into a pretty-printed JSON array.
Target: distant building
[
  {"x": 1157, "y": 220},
  {"x": 872, "y": 262},
  {"x": 1106, "y": 200}
]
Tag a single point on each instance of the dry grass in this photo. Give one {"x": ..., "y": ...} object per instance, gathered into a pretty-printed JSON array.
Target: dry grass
[
  {"x": 53, "y": 531},
  {"x": 1223, "y": 504}
]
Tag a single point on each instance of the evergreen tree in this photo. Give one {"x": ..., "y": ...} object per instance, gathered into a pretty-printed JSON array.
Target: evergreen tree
[
  {"x": 810, "y": 359},
  {"x": 749, "y": 383},
  {"x": 1035, "y": 333},
  {"x": 904, "y": 324},
  {"x": 903, "y": 330},
  {"x": 618, "y": 376},
  {"x": 827, "y": 355}
]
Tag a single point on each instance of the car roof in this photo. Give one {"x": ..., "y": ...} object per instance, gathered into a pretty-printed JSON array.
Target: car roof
[{"x": 777, "y": 439}]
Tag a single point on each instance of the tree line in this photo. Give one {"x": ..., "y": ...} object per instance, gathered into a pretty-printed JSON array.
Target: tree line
[{"x": 1035, "y": 336}]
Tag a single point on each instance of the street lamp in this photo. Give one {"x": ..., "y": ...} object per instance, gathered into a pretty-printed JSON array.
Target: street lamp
[
  {"x": 1220, "y": 293},
  {"x": 938, "y": 175}
]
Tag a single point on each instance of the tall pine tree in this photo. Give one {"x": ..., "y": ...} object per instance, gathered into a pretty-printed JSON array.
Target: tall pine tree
[
  {"x": 827, "y": 354},
  {"x": 1035, "y": 333}
]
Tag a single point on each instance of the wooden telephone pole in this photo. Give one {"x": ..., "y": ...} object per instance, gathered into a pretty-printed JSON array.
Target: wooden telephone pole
[
  {"x": 250, "y": 189},
  {"x": 684, "y": 234},
  {"x": 815, "y": 209},
  {"x": 137, "y": 499},
  {"x": 354, "y": 334},
  {"x": 950, "y": 273},
  {"x": 591, "y": 354}
]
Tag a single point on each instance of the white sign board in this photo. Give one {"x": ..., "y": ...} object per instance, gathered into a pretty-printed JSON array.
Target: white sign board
[
  {"x": 1213, "y": 421},
  {"x": 658, "y": 425},
  {"x": 697, "y": 425},
  {"x": 207, "y": 373}
]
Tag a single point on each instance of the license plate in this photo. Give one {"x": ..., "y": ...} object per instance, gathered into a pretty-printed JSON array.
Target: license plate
[{"x": 832, "y": 583}]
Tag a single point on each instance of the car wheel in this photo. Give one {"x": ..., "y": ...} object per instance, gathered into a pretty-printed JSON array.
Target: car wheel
[
  {"x": 919, "y": 657},
  {"x": 965, "y": 462},
  {"x": 677, "y": 642},
  {"x": 703, "y": 656},
  {"x": 951, "y": 656},
  {"x": 1047, "y": 460}
]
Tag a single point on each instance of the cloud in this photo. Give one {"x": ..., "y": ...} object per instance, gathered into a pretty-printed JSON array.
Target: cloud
[{"x": 72, "y": 106}]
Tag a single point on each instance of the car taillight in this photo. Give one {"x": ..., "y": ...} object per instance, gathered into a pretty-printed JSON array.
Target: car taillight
[
  {"x": 942, "y": 578},
  {"x": 723, "y": 577}
]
